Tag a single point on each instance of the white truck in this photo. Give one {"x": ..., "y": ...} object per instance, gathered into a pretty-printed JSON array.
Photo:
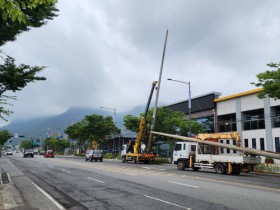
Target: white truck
[
  {"x": 219, "y": 151},
  {"x": 200, "y": 156}
]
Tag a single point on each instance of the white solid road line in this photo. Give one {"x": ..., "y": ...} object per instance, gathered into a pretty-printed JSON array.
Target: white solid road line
[
  {"x": 184, "y": 184},
  {"x": 95, "y": 180},
  {"x": 66, "y": 171},
  {"x": 173, "y": 204},
  {"x": 49, "y": 196}
]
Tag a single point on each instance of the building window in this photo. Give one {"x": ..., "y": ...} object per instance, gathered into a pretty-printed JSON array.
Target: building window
[
  {"x": 277, "y": 144},
  {"x": 227, "y": 123},
  {"x": 234, "y": 143},
  {"x": 262, "y": 144},
  {"x": 254, "y": 143},
  {"x": 253, "y": 120},
  {"x": 228, "y": 150},
  {"x": 275, "y": 118},
  {"x": 222, "y": 149},
  {"x": 246, "y": 143}
]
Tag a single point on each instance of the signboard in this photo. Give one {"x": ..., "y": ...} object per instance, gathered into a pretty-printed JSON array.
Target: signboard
[{"x": 94, "y": 145}]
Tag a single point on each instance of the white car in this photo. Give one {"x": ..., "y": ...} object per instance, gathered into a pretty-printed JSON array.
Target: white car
[{"x": 9, "y": 152}]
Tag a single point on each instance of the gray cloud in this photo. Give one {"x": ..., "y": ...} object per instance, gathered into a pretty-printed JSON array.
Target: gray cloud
[{"x": 107, "y": 53}]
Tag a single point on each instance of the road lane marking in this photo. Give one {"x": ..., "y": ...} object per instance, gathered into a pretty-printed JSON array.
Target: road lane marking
[
  {"x": 131, "y": 174},
  {"x": 173, "y": 204},
  {"x": 11, "y": 163},
  {"x": 49, "y": 196},
  {"x": 184, "y": 184},
  {"x": 66, "y": 171},
  {"x": 50, "y": 166},
  {"x": 95, "y": 180},
  {"x": 156, "y": 169}
]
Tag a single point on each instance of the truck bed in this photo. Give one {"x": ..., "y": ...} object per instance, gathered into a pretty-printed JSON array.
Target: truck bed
[{"x": 227, "y": 158}]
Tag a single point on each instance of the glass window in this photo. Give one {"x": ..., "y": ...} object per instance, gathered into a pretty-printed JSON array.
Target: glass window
[
  {"x": 222, "y": 149},
  {"x": 254, "y": 143},
  {"x": 262, "y": 143},
  {"x": 277, "y": 144},
  {"x": 178, "y": 147},
  {"x": 246, "y": 143}
]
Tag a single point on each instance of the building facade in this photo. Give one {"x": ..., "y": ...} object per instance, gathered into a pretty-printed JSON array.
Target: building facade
[{"x": 256, "y": 120}]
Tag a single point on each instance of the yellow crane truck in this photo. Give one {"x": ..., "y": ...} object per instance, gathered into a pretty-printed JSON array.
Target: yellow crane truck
[{"x": 131, "y": 151}]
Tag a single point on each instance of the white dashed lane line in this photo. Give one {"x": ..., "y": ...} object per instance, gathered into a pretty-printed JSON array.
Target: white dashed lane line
[{"x": 187, "y": 185}]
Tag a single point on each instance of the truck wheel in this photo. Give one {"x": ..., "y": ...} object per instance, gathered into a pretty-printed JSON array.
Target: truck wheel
[
  {"x": 123, "y": 159},
  {"x": 220, "y": 168},
  {"x": 181, "y": 165}
]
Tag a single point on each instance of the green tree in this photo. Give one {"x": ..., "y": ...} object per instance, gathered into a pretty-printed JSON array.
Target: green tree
[
  {"x": 32, "y": 16},
  {"x": 16, "y": 10},
  {"x": 13, "y": 78},
  {"x": 270, "y": 81},
  {"x": 92, "y": 128},
  {"x": 57, "y": 145},
  {"x": 26, "y": 144},
  {"x": 17, "y": 16},
  {"x": 4, "y": 136},
  {"x": 167, "y": 121}
]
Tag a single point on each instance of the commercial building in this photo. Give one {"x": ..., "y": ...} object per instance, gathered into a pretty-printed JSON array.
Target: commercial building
[{"x": 256, "y": 120}]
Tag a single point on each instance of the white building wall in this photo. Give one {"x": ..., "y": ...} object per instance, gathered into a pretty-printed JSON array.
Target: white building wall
[
  {"x": 274, "y": 102},
  {"x": 257, "y": 134},
  {"x": 251, "y": 102},
  {"x": 226, "y": 107}
]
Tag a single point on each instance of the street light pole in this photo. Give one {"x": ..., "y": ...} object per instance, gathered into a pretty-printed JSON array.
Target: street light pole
[
  {"x": 189, "y": 104},
  {"x": 114, "y": 109}
]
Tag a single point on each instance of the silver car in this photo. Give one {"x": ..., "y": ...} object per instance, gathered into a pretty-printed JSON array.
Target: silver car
[{"x": 94, "y": 155}]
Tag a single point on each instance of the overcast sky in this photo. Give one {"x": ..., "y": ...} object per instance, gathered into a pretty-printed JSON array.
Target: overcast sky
[{"x": 107, "y": 53}]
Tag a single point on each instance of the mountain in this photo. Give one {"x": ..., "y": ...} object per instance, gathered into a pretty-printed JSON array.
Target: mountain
[{"x": 44, "y": 127}]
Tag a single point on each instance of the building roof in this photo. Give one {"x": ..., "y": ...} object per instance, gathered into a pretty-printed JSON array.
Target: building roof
[
  {"x": 217, "y": 94},
  {"x": 250, "y": 92}
]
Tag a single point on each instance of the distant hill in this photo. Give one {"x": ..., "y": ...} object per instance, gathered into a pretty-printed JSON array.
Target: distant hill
[{"x": 44, "y": 127}]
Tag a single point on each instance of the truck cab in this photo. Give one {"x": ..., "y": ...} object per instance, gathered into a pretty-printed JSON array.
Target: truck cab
[{"x": 183, "y": 150}]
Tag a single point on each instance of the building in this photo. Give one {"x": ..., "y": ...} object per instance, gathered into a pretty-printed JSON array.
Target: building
[{"x": 256, "y": 120}]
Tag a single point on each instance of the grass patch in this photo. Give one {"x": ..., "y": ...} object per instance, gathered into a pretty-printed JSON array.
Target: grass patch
[{"x": 267, "y": 168}]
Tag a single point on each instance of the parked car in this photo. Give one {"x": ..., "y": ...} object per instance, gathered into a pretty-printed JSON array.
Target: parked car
[
  {"x": 9, "y": 152},
  {"x": 49, "y": 154},
  {"x": 28, "y": 153},
  {"x": 94, "y": 155}
]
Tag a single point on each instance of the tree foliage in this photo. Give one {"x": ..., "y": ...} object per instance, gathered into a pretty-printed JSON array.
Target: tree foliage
[
  {"x": 4, "y": 136},
  {"x": 26, "y": 144},
  {"x": 13, "y": 78},
  {"x": 57, "y": 145},
  {"x": 167, "y": 121},
  {"x": 270, "y": 81},
  {"x": 19, "y": 10},
  {"x": 92, "y": 128},
  {"x": 17, "y": 16}
]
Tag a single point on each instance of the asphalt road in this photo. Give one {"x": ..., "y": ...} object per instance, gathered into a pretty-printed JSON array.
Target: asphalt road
[{"x": 72, "y": 183}]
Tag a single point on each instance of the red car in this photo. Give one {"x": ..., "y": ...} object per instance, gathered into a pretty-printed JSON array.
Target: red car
[{"x": 49, "y": 154}]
